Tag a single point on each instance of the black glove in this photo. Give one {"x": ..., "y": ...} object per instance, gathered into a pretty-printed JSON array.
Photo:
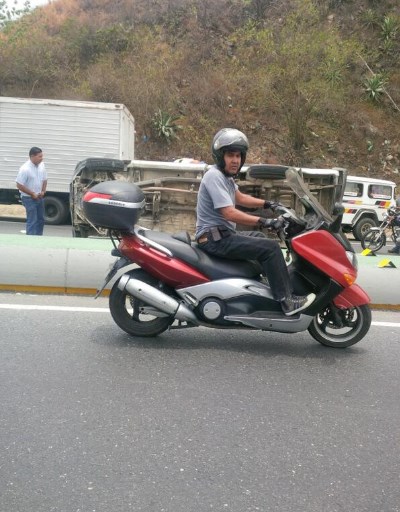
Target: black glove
[
  {"x": 270, "y": 223},
  {"x": 272, "y": 205}
]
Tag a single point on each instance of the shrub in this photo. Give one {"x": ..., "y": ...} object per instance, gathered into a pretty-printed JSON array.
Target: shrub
[
  {"x": 370, "y": 18},
  {"x": 389, "y": 28},
  {"x": 374, "y": 87},
  {"x": 165, "y": 126}
]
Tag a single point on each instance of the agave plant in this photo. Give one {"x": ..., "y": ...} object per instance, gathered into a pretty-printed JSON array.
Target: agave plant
[
  {"x": 375, "y": 87},
  {"x": 387, "y": 46},
  {"x": 370, "y": 18},
  {"x": 165, "y": 125},
  {"x": 389, "y": 27}
]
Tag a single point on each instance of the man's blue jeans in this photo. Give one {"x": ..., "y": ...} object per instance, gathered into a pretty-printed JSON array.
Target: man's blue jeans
[
  {"x": 253, "y": 245},
  {"x": 34, "y": 215}
]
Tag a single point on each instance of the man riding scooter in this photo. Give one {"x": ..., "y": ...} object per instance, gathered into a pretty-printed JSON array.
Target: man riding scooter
[{"x": 217, "y": 216}]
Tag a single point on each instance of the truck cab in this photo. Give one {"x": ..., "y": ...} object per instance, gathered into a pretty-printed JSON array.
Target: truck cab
[{"x": 365, "y": 200}]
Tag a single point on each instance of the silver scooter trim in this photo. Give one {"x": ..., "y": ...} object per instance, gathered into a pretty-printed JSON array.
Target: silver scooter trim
[{"x": 269, "y": 321}]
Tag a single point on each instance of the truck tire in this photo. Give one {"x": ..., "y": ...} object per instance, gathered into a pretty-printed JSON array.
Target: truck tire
[
  {"x": 56, "y": 211},
  {"x": 362, "y": 226}
]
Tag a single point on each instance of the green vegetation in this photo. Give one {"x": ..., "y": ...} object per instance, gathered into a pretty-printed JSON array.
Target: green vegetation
[
  {"x": 374, "y": 87},
  {"x": 389, "y": 27},
  {"x": 165, "y": 126},
  {"x": 293, "y": 74}
]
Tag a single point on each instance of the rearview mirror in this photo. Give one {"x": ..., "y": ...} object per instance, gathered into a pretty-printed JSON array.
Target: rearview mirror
[{"x": 338, "y": 209}]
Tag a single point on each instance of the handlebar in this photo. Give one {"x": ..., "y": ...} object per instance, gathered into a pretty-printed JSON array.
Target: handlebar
[{"x": 291, "y": 224}]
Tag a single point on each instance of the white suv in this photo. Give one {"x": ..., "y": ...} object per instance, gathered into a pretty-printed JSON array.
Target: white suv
[{"x": 365, "y": 201}]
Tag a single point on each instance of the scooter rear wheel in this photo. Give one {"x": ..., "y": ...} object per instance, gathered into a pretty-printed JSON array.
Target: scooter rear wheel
[
  {"x": 353, "y": 325},
  {"x": 133, "y": 316}
]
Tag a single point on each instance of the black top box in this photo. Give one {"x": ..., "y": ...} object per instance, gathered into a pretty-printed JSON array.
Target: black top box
[{"x": 114, "y": 205}]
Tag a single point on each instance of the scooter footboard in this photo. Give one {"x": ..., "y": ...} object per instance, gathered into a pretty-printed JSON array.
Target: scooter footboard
[{"x": 352, "y": 296}]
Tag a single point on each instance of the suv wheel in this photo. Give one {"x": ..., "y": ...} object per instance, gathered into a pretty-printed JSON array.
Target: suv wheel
[{"x": 362, "y": 226}]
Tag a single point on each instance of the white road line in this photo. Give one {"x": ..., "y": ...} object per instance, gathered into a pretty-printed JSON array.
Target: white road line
[
  {"x": 54, "y": 308},
  {"x": 31, "y": 307},
  {"x": 386, "y": 324}
]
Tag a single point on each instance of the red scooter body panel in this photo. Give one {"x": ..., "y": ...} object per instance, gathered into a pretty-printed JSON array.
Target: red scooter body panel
[
  {"x": 350, "y": 297},
  {"x": 323, "y": 251},
  {"x": 171, "y": 271}
]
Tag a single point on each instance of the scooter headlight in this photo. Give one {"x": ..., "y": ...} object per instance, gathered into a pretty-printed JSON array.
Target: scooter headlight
[{"x": 351, "y": 256}]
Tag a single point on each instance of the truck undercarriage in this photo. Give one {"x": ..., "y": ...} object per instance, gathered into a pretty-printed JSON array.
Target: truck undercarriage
[{"x": 171, "y": 189}]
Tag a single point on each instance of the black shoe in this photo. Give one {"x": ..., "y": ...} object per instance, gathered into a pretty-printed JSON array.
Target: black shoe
[
  {"x": 294, "y": 304},
  {"x": 395, "y": 250}
]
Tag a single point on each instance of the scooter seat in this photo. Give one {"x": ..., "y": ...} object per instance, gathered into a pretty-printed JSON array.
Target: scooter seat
[{"x": 212, "y": 266}]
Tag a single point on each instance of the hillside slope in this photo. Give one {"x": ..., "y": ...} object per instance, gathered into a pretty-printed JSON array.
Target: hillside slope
[{"x": 311, "y": 83}]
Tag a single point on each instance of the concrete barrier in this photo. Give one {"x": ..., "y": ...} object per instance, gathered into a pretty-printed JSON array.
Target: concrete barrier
[
  {"x": 382, "y": 283},
  {"x": 78, "y": 266},
  {"x": 53, "y": 264}
]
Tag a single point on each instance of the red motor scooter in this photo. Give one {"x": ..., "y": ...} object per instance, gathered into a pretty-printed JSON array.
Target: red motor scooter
[{"x": 165, "y": 281}]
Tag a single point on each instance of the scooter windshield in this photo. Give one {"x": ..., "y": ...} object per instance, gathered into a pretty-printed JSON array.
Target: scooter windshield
[{"x": 308, "y": 200}]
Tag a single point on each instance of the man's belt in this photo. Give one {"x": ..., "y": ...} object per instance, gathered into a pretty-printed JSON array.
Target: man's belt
[{"x": 215, "y": 234}]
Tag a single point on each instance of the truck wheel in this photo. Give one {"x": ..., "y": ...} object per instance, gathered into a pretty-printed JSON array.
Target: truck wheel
[
  {"x": 362, "y": 226},
  {"x": 55, "y": 210}
]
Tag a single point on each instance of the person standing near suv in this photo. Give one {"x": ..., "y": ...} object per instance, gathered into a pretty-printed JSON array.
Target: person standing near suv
[
  {"x": 396, "y": 248},
  {"x": 32, "y": 182}
]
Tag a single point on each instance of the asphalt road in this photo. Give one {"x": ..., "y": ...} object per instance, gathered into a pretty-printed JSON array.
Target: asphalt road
[
  {"x": 196, "y": 420},
  {"x": 10, "y": 226}
]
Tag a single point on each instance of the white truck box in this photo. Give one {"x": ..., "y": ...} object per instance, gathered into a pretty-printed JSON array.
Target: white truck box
[{"x": 67, "y": 132}]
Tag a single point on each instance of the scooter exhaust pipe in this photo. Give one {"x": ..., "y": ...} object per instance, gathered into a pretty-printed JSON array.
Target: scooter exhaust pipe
[{"x": 156, "y": 298}]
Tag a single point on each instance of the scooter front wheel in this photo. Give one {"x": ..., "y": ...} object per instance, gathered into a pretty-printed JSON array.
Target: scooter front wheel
[
  {"x": 341, "y": 328},
  {"x": 135, "y": 317}
]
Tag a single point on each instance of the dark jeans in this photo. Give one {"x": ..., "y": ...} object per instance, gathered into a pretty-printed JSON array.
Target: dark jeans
[
  {"x": 254, "y": 245},
  {"x": 34, "y": 215},
  {"x": 396, "y": 248}
]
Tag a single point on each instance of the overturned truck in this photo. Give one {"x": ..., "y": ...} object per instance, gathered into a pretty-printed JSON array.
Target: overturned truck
[{"x": 171, "y": 189}]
